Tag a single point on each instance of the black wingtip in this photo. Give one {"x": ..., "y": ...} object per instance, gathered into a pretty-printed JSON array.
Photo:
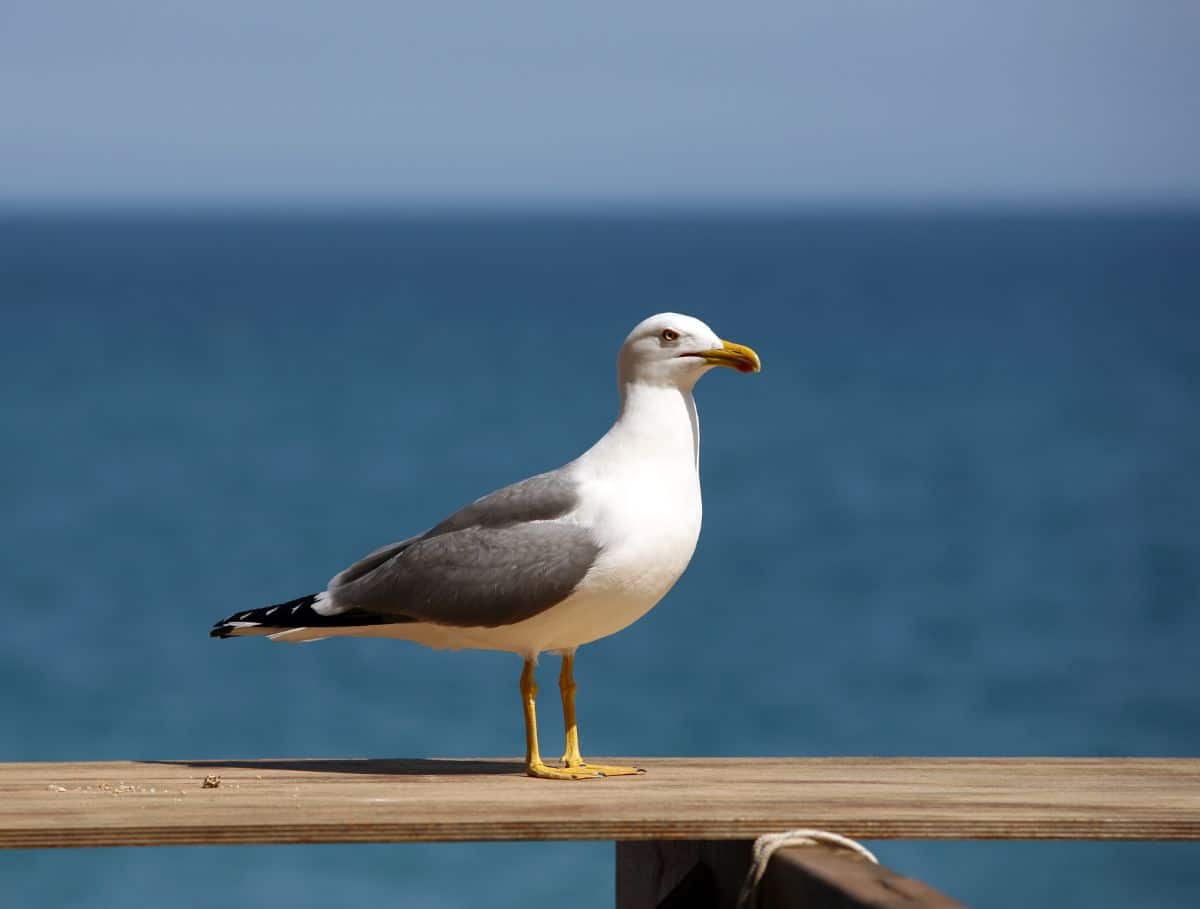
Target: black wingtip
[{"x": 297, "y": 613}]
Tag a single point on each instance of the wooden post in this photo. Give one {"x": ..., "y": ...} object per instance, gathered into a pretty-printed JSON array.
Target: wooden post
[
  {"x": 672, "y": 874},
  {"x": 708, "y": 874},
  {"x": 814, "y": 877}
]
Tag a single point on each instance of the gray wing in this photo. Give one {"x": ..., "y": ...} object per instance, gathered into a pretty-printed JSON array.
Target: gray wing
[
  {"x": 542, "y": 498},
  {"x": 500, "y": 560},
  {"x": 367, "y": 564}
]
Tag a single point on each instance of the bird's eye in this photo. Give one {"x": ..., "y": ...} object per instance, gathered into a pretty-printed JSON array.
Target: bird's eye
[{"x": 669, "y": 334}]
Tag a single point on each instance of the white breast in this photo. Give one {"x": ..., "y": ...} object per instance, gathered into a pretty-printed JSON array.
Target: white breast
[
  {"x": 647, "y": 527},
  {"x": 639, "y": 497}
]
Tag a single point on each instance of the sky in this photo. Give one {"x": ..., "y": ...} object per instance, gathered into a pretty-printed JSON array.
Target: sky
[{"x": 680, "y": 102}]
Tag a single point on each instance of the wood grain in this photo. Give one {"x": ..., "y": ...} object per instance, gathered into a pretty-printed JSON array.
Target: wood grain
[
  {"x": 360, "y": 801},
  {"x": 805, "y": 877}
]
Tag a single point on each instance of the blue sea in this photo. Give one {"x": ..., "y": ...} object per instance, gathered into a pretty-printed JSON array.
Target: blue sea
[{"x": 958, "y": 513}]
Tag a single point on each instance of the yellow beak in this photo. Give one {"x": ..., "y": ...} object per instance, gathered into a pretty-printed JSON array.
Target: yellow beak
[{"x": 740, "y": 357}]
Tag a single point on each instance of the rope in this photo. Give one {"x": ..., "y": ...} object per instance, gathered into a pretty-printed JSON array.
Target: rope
[{"x": 765, "y": 846}]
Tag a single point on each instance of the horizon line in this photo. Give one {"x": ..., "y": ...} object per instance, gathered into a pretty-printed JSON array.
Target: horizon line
[{"x": 591, "y": 208}]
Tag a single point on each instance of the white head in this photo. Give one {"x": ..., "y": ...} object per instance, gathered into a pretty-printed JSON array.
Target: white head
[{"x": 675, "y": 350}]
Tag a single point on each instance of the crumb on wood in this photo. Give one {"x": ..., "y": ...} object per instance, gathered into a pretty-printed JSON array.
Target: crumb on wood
[{"x": 212, "y": 781}]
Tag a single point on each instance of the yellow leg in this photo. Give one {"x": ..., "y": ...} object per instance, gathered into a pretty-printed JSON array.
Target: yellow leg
[
  {"x": 534, "y": 765},
  {"x": 572, "y": 759}
]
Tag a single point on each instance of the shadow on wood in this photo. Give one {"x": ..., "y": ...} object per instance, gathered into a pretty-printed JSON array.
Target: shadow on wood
[{"x": 373, "y": 766}]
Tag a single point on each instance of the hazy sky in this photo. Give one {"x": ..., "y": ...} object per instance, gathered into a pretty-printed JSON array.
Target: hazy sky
[{"x": 677, "y": 102}]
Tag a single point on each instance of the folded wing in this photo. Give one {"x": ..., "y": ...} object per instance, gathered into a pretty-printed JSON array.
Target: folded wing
[{"x": 500, "y": 560}]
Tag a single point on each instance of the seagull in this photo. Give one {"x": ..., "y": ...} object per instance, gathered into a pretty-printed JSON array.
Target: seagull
[{"x": 555, "y": 561}]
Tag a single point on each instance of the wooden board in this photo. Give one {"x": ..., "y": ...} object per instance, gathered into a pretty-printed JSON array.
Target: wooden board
[
  {"x": 709, "y": 874},
  {"x": 807, "y": 877},
  {"x": 360, "y": 801}
]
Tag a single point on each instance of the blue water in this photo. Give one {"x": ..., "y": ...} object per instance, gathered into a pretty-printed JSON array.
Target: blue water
[{"x": 958, "y": 513}]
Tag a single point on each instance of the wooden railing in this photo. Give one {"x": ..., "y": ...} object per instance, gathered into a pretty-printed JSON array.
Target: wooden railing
[{"x": 685, "y": 817}]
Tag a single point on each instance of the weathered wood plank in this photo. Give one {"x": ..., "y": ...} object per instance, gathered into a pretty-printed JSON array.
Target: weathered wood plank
[
  {"x": 808, "y": 877},
  {"x": 708, "y": 874},
  {"x": 342, "y": 801}
]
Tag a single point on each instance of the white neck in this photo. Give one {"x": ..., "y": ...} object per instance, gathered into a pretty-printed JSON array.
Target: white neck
[{"x": 656, "y": 423}]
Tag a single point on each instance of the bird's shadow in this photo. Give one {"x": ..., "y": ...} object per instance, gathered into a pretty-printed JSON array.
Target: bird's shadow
[{"x": 376, "y": 766}]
